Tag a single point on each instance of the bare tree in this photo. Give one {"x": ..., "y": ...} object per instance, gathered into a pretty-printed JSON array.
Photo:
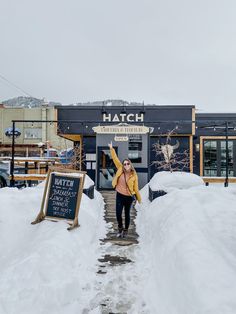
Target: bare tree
[
  {"x": 76, "y": 158},
  {"x": 166, "y": 156}
]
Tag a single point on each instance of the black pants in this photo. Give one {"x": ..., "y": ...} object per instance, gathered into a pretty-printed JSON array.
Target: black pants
[{"x": 123, "y": 201}]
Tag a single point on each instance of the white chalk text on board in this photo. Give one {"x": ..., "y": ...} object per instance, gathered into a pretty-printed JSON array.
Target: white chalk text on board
[{"x": 62, "y": 195}]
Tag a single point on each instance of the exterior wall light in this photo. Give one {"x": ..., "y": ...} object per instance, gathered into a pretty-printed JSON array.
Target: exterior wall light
[{"x": 197, "y": 147}]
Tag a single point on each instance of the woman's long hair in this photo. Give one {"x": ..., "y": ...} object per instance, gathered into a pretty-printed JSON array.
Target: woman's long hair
[{"x": 131, "y": 165}]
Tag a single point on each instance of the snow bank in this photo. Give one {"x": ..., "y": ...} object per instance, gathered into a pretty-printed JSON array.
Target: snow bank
[
  {"x": 88, "y": 182},
  {"x": 167, "y": 181},
  {"x": 45, "y": 268},
  {"x": 188, "y": 250}
]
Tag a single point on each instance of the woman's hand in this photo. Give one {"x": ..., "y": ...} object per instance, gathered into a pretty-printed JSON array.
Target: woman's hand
[{"x": 110, "y": 145}]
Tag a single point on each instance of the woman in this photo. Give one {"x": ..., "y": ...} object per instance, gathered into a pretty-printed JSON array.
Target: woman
[{"x": 125, "y": 183}]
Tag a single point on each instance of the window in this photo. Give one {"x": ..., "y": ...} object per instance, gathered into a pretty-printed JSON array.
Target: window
[
  {"x": 223, "y": 159},
  {"x": 210, "y": 158},
  {"x": 214, "y": 158},
  {"x": 33, "y": 133},
  {"x": 135, "y": 148}
]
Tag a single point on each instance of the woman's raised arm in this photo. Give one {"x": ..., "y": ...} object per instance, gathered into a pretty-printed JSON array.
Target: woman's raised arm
[{"x": 114, "y": 157}]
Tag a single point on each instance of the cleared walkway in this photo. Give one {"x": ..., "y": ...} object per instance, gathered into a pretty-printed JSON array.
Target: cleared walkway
[
  {"x": 110, "y": 217},
  {"x": 114, "y": 296}
]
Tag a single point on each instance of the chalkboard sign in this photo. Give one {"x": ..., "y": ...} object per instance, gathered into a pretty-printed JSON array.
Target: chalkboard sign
[{"x": 62, "y": 195}]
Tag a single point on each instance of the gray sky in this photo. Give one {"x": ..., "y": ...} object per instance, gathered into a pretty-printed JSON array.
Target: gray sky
[{"x": 169, "y": 51}]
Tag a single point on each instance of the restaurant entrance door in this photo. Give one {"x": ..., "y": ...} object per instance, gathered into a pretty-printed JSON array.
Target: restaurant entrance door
[
  {"x": 135, "y": 148},
  {"x": 106, "y": 168}
]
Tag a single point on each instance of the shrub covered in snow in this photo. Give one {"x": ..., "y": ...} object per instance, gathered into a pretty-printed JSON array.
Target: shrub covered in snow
[{"x": 167, "y": 181}]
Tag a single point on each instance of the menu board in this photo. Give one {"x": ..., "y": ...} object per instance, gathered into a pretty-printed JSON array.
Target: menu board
[{"x": 63, "y": 196}]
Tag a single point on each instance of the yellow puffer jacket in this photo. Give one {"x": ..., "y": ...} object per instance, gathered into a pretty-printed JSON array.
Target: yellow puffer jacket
[{"x": 132, "y": 181}]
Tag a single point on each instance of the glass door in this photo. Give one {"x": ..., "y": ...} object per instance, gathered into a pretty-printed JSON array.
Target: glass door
[
  {"x": 214, "y": 158},
  {"x": 106, "y": 169},
  {"x": 223, "y": 159}
]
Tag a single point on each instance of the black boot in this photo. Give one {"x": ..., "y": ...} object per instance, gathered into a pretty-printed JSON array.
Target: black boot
[
  {"x": 120, "y": 233},
  {"x": 125, "y": 233}
]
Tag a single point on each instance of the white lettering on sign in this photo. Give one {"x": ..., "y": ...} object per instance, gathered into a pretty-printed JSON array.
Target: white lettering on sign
[
  {"x": 121, "y": 129},
  {"x": 123, "y": 117},
  {"x": 121, "y": 138},
  {"x": 129, "y": 117},
  {"x": 106, "y": 117},
  {"x": 116, "y": 118},
  {"x": 64, "y": 182}
]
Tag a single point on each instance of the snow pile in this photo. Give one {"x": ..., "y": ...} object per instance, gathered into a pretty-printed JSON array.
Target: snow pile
[
  {"x": 45, "y": 268},
  {"x": 167, "y": 181},
  {"x": 88, "y": 182},
  {"x": 187, "y": 250}
]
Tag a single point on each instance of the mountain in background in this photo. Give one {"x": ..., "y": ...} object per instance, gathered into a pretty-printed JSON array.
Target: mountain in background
[
  {"x": 30, "y": 102},
  {"x": 109, "y": 102}
]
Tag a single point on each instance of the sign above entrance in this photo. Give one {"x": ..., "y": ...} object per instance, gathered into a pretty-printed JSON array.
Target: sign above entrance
[
  {"x": 121, "y": 128},
  {"x": 120, "y": 138},
  {"x": 123, "y": 117}
]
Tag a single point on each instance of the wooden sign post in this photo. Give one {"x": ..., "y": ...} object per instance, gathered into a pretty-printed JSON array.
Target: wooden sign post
[{"x": 62, "y": 196}]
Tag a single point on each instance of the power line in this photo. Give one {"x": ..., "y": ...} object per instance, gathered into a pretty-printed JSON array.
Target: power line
[{"x": 15, "y": 86}]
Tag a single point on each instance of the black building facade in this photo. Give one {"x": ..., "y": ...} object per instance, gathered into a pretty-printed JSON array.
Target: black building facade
[{"x": 134, "y": 131}]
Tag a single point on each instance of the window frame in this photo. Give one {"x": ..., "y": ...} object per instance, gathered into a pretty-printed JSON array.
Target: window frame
[
  {"x": 218, "y": 140},
  {"x": 31, "y": 129}
]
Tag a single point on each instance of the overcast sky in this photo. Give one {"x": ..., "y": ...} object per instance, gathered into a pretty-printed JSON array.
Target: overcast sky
[{"x": 162, "y": 52}]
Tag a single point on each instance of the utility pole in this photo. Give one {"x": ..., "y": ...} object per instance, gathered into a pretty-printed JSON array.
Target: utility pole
[
  {"x": 12, "y": 181},
  {"x": 227, "y": 154}
]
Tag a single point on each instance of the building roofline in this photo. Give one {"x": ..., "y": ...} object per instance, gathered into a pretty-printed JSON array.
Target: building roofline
[
  {"x": 216, "y": 114},
  {"x": 121, "y": 106}
]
